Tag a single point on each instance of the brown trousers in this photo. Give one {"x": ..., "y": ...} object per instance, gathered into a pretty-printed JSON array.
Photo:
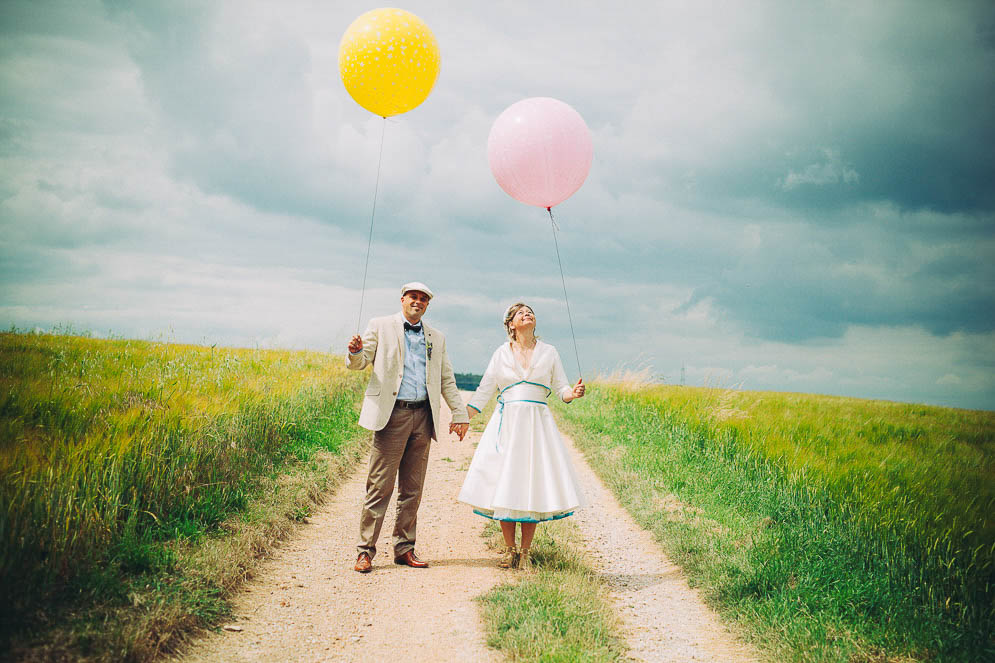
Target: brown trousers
[{"x": 399, "y": 450}]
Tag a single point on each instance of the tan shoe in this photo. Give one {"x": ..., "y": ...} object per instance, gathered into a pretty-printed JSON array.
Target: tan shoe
[
  {"x": 409, "y": 559},
  {"x": 525, "y": 560},
  {"x": 509, "y": 558},
  {"x": 363, "y": 563}
]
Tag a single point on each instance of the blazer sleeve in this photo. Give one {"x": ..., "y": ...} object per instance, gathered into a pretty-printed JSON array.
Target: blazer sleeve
[
  {"x": 450, "y": 391},
  {"x": 364, "y": 357},
  {"x": 559, "y": 382},
  {"x": 488, "y": 387}
]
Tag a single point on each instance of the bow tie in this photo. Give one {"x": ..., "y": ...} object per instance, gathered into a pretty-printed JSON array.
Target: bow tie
[{"x": 410, "y": 327}]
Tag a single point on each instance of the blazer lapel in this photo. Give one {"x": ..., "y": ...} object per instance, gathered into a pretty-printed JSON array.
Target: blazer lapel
[{"x": 399, "y": 336}]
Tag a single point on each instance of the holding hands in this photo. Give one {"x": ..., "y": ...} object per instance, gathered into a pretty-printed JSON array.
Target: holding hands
[{"x": 356, "y": 345}]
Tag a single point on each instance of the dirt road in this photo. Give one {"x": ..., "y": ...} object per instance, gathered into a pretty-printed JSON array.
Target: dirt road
[
  {"x": 309, "y": 605},
  {"x": 666, "y": 620}
]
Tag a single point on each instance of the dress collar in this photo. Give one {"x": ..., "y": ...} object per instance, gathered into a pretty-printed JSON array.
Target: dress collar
[{"x": 524, "y": 373}]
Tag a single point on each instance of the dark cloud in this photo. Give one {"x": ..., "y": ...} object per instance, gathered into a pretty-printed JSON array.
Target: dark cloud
[
  {"x": 791, "y": 290},
  {"x": 236, "y": 101},
  {"x": 819, "y": 107},
  {"x": 917, "y": 171},
  {"x": 22, "y": 265}
]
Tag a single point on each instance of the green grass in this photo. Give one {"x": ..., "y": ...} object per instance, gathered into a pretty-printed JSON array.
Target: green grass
[
  {"x": 828, "y": 529},
  {"x": 558, "y": 612},
  {"x": 141, "y": 479}
]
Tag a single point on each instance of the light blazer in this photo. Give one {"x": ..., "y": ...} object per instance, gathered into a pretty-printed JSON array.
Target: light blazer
[{"x": 383, "y": 346}]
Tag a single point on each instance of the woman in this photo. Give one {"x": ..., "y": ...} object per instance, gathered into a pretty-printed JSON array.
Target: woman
[{"x": 521, "y": 472}]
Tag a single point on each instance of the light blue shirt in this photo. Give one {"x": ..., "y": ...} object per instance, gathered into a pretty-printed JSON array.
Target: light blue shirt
[{"x": 415, "y": 377}]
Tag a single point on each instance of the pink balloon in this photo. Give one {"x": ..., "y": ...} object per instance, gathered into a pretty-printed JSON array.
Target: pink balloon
[{"x": 540, "y": 151}]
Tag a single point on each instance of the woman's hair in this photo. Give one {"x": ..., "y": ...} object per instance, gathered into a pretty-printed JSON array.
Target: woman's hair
[{"x": 509, "y": 315}]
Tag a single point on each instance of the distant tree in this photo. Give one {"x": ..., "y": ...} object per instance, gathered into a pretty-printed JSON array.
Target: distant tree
[{"x": 468, "y": 381}]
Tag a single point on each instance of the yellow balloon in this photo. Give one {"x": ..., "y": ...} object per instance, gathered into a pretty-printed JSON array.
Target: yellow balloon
[{"x": 388, "y": 60}]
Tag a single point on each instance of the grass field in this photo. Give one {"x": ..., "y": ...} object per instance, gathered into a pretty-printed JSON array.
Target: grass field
[
  {"x": 139, "y": 480},
  {"x": 122, "y": 462},
  {"x": 828, "y": 529}
]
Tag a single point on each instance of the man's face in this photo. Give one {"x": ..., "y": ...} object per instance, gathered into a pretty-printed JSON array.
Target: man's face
[{"x": 414, "y": 303}]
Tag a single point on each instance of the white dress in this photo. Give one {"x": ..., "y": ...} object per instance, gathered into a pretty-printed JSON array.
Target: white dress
[{"x": 521, "y": 470}]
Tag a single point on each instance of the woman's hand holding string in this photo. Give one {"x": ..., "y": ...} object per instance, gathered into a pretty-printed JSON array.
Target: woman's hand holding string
[{"x": 578, "y": 391}]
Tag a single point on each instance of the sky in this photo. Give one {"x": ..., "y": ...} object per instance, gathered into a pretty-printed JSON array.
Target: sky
[{"x": 784, "y": 196}]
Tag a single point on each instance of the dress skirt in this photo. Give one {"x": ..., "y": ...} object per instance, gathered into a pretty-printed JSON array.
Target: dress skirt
[{"x": 521, "y": 470}]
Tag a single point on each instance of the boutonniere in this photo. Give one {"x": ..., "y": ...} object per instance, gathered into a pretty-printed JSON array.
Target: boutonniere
[{"x": 428, "y": 348}]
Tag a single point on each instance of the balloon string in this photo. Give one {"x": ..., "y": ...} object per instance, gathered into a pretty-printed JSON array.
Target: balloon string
[
  {"x": 369, "y": 242},
  {"x": 564, "y": 282}
]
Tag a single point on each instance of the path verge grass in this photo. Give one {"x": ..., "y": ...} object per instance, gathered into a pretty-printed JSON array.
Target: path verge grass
[
  {"x": 558, "y": 612},
  {"x": 141, "y": 483},
  {"x": 827, "y": 529}
]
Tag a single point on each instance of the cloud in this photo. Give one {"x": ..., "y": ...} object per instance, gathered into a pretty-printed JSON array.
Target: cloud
[
  {"x": 831, "y": 170},
  {"x": 795, "y": 282},
  {"x": 784, "y": 196}
]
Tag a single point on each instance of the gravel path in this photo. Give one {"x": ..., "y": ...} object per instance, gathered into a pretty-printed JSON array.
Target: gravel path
[
  {"x": 307, "y": 604},
  {"x": 666, "y": 621}
]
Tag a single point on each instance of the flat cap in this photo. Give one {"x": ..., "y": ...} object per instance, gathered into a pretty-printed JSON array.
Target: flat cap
[{"x": 416, "y": 285}]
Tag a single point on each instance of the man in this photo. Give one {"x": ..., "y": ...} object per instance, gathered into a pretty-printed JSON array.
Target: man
[{"x": 410, "y": 371}]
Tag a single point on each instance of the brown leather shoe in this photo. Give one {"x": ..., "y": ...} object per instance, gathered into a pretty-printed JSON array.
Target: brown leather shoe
[
  {"x": 409, "y": 559},
  {"x": 363, "y": 563}
]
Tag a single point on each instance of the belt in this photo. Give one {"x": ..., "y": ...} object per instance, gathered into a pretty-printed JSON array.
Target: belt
[
  {"x": 411, "y": 405},
  {"x": 522, "y": 388}
]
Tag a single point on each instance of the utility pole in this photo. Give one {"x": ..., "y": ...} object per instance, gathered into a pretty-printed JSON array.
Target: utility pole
[{"x": 683, "y": 371}]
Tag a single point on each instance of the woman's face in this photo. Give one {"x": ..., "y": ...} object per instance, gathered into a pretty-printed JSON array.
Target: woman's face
[{"x": 523, "y": 319}]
